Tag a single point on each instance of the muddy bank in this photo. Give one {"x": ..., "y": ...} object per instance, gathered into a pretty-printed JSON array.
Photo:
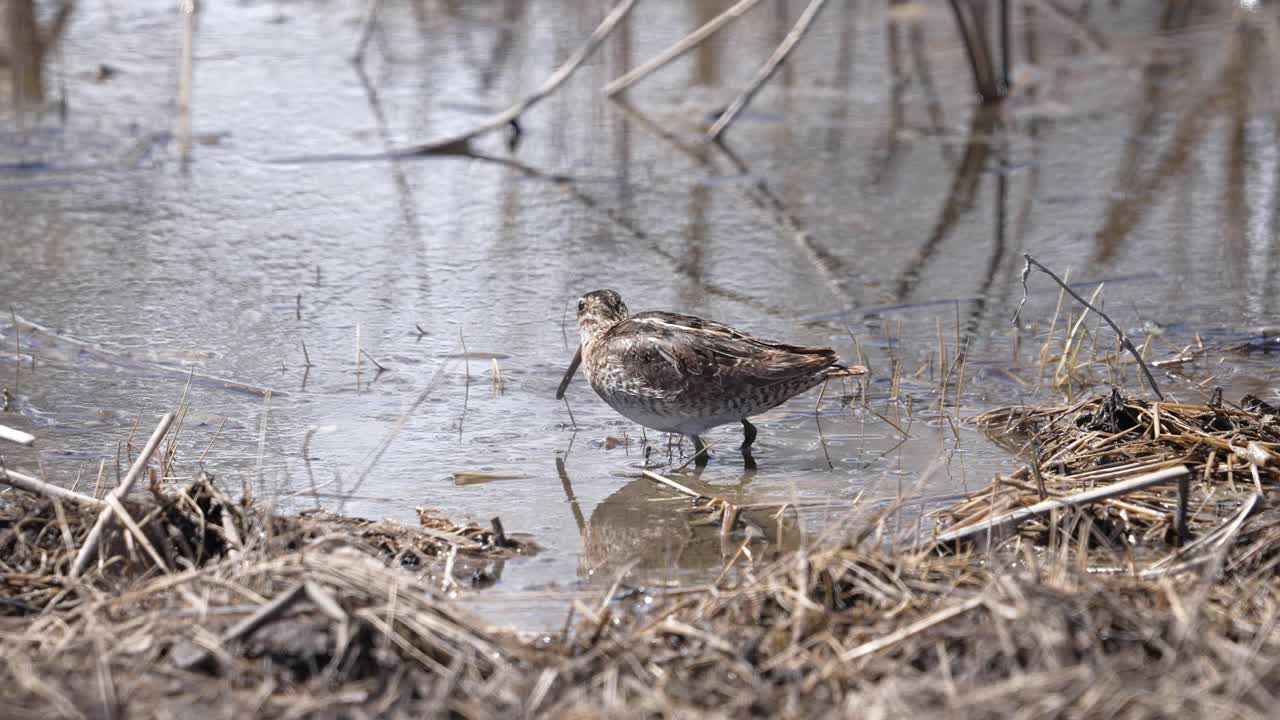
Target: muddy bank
[{"x": 200, "y": 602}]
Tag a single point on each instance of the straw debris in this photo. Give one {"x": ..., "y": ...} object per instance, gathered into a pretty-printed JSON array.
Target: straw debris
[{"x": 1230, "y": 455}]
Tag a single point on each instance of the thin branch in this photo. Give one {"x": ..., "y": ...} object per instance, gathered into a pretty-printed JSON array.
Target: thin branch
[
  {"x": 376, "y": 454},
  {"x": 974, "y": 35},
  {"x": 127, "y": 520},
  {"x": 686, "y": 44},
  {"x": 510, "y": 116},
  {"x": 572, "y": 422},
  {"x": 135, "y": 471},
  {"x": 683, "y": 490},
  {"x": 704, "y": 452},
  {"x": 35, "y": 330},
  {"x": 1084, "y": 498},
  {"x": 1006, "y": 49},
  {"x": 366, "y": 29},
  {"x": 53, "y": 34},
  {"x": 1077, "y": 27},
  {"x": 914, "y": 628},
  {"x": 265, "y": 614},
  {"x": 17, "y": 339},
  {"x": 17, "y": 436},
  {"x": 1124, "y": 339},
  {"x": 40, "y": 487},
  {"x": 375, "y": 362},
  {"x": 186, "y": 77},
  {"x": 1213, "y": 540},
  {"x": 766, "y": 71}
]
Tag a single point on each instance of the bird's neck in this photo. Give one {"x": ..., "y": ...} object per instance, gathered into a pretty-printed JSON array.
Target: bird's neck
[{"x": 590, "y": 331}]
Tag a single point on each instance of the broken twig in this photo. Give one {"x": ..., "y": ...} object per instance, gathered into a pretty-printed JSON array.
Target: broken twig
[
  {"x": 40, "y": 487},
  {"x": 511, "y": 116},
  {"x": 135, "y": 471},
  {"x": 16, "y": 436},
  {"x": 1084, "y": 498}
]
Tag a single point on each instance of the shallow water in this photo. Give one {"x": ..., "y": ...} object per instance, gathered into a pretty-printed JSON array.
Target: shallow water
[{"x": 868, "y": 197}]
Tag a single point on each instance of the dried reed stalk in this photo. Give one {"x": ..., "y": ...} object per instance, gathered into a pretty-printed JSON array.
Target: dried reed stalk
[
  {"x": 766, "y": 71},
  {"x": 16, "y": 436},
  {"x": 686, "y": 44},
  {"x": 135, "y": 471}
]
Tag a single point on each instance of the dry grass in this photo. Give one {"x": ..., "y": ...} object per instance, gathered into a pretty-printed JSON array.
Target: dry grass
[
  {"x": 1088, "y": 612},
  {"x": 1231, "y": 455}
]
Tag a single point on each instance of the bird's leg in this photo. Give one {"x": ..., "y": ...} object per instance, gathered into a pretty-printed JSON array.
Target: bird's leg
[
  {"x": 748, "y": 437},
  {"x": 700, "y": 451}
]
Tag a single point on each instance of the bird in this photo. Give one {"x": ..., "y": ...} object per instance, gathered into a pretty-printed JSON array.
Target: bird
[{"x": 682, "y": 374}]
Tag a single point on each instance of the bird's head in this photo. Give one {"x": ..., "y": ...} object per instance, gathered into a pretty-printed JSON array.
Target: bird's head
[{"x": 597, "y": 312}]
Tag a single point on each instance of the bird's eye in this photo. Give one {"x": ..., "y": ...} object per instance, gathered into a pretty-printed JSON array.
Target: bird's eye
[{"x": 582, "y": 305}]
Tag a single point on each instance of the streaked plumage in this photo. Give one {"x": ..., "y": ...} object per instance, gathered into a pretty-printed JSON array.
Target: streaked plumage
[{"x": 682, "y": 374}]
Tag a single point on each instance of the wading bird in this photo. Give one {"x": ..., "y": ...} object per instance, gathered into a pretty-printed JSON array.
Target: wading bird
[{"x": 682, "y": 374}]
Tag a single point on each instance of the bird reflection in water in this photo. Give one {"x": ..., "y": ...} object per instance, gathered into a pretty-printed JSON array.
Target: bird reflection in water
[{"x": 661, "y": 535}]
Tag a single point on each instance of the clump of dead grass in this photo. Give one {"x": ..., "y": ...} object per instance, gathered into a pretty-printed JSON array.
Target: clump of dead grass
[
  {"x": 1232, "y": 457},
  {"x": 278, "y": 615}
]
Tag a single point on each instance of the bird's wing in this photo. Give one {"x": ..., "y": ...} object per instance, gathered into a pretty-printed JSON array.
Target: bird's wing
[{"x": 660, "y": 355}]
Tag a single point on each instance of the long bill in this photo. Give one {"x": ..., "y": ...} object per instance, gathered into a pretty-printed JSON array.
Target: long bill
[{"x": 568, "y": 374}]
